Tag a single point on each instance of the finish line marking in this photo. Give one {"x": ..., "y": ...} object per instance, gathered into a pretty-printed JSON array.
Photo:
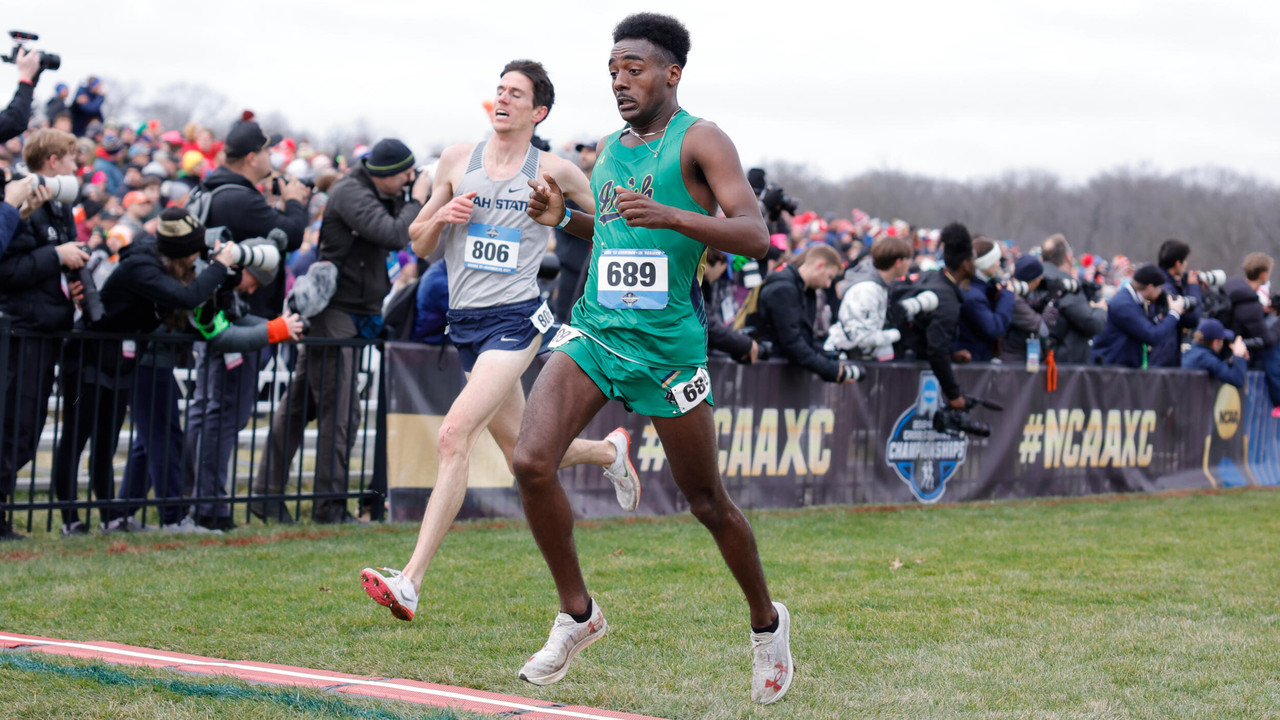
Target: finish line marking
[{"x": 443, "y": 696}]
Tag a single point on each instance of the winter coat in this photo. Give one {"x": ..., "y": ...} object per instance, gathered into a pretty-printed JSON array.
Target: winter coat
[
  {"x": 1248, "y": 318},
  {"x": 361, "y": 227},
  {"x": 985, "y": 315},
  {"x": 33, "y": 291},
  {"x": 1128, "y": 330},
  {"x": 1168, "y": 352},
  {"x": 787, "y": 313},
  {"x": 1078, "y": 322},
  {"x": 1201, "y": 357},
  {"x": 859, "y": 325}
]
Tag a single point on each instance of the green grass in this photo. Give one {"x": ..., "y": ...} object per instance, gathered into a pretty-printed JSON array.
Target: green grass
[{"x": 1150, "y": 607}]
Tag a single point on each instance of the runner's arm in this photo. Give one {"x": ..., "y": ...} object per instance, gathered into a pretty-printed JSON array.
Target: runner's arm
[{"x": 424, "y": 231}]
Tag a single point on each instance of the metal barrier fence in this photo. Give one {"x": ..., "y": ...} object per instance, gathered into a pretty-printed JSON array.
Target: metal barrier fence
[{"x": 146, "y": 430}]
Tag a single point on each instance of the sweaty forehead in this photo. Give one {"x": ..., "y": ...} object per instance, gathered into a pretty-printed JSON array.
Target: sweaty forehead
[{"x": 635, "y": 49}]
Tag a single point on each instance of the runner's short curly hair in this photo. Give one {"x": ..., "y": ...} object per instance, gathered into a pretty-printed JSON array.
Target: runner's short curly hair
[{"x": 665, "y": 32}]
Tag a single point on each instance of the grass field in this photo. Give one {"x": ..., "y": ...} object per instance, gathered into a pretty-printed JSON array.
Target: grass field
[{"x": 1115, "y": 607}]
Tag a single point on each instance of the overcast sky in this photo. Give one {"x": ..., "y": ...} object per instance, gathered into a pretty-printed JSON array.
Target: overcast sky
[{"x": 949, "y": 89}]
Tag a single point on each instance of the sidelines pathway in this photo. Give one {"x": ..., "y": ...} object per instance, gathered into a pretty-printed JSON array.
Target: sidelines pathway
[{"x": 443, "y": 696}]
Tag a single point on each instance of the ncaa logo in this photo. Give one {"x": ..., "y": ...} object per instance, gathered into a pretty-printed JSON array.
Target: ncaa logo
[{"x": 920, "y": 456}]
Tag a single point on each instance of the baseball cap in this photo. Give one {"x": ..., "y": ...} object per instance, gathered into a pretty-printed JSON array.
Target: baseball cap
[
  {"x": 133, "y": 197},
  {"x": 1213, "y": 330},
  {"x": 586, "y": 145},
  {"x": 247, "y": 137}
]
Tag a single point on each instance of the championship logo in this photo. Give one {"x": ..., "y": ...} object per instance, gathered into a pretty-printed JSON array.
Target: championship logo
[{"x": 920, "y": 456}]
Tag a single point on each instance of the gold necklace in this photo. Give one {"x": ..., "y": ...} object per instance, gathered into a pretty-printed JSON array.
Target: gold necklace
[{"x": 663, "y": 139}]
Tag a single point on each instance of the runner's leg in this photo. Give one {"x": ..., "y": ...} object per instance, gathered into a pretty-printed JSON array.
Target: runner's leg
[
  {"x": 495, "y": 376},
  {"x": 690, "y": 445},
  {"x": 562, "y": 402},
  {"x": 505, "y": 429}
]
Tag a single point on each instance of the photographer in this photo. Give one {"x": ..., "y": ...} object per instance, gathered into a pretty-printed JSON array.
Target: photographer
[
  {"x": 1249, "y": 320},
  {"x": 788, "y": 308},
  {"x": 1177, "y": 281},
  {"x": 367, "y": 218},
  {"x": 1130, "y": 332},
  {"x": 860, "y": 328},
  {"x": 15, "y": 196},
  {"x": 15, "y": 118},
  {"x": 932, "y": 334},
  {"x": 155, "y": 290},
  {"x": 87, "y": 106},
  {"x": 1079, "y": 320},
  {"x": 1033, "y": 312},
  {"x": 226, "y": 389},
  {"x": 1206, "y": 353},
  {"x": 38, "y": 288},
  {"x": 987, "y": 308}
]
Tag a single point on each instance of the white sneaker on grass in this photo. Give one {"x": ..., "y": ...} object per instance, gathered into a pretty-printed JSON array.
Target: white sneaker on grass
[
  {"x": 626, "y": 483},
  {"x": 393, "y": 591},
  {"x": 568, "y": 638},
  {"x": 771, "y": 666}
]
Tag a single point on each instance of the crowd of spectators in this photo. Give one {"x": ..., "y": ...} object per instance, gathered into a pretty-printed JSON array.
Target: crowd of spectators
[{"x": 833, "y": 294}]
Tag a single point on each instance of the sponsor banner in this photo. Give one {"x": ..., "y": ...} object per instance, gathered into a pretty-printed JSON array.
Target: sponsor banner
[{"x": 787, "y": 439}]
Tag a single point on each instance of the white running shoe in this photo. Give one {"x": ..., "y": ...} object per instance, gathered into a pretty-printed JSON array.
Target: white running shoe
[
  {"x": 393, "y": 591},
  {"x": 626, "y": 483},
  {"x": 187, "y": 526},
  {"x": 771, "y": 667},
  {"x": 568, "y": 638}
]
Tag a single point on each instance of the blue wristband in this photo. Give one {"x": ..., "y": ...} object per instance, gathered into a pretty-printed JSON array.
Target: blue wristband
[{"x": 565, "y": 221}]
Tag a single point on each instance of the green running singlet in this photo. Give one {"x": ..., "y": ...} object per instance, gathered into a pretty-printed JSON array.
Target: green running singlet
[{"x": 642, "y": 297}]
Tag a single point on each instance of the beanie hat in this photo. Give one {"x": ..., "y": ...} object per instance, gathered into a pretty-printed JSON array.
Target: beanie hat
[
  {"x": 388, "y": 157},
  {"x": 179, "y": 234},
  {"x": 1027, "y": 269},
  {"x": 1148, "y": 275},
  {"x": 190, "y": 159}
]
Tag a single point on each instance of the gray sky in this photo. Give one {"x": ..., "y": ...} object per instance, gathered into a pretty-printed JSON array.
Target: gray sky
[{"x": 948, "y": 89}]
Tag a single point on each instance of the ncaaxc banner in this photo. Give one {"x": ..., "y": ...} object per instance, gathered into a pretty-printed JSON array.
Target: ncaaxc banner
[{"x": 788, "y": 439}]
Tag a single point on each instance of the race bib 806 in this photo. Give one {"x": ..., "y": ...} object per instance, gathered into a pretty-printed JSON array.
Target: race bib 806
[
  {"x": 492, "y": 248},
  {"x": 632, "y": 279}
]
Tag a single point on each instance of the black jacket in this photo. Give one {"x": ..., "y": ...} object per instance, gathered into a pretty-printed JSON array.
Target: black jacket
[
  {"x": 930, "y": 337},
  {"x": 31, "y": 280},
  {"x": 1078, "y": 322},
  {"x": 15, "y": 118},
  {"x": 361, "y": 225},
  {"x": 138, "y": 290},
  {"x": 1248, "y": 319},
  {"x": 245, "y": 214},
  {"x": 787, "y": 312}
]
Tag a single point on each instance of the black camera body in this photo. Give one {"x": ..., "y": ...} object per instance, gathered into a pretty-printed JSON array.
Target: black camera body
[
  {"x": 775, "y": 200},
  {"x": 954, "y": 421},
  {"x": 48, "y": 61},
  {"x": 91, "y": 303}
]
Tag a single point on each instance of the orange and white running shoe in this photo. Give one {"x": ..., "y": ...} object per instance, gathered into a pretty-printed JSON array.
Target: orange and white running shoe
[{"x": 393, "y": 591}]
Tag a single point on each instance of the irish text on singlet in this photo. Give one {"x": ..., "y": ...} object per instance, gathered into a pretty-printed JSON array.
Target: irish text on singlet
[
  {"x": 494, "y": 258},
  {"x": 642, "y": 297}
]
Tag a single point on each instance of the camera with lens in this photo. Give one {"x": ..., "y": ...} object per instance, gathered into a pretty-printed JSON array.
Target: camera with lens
[
  {"x": 1212, "y": 278},
  {"x": 245, "y": 255},
  {"x": 1017, "y": 287},
  {"x": 48, "y": 61},
  {"x": 775, "y": 200},
  {"x": 925, "y": 302},
  {"x": 66, "y": 188},
  {"x": 955, "y": 421},
  {"x": 278, "y": 183},
  {"x": 91, "y": 301}
]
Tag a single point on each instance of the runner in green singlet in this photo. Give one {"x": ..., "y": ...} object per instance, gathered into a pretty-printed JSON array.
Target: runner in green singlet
[{"x": 638, "y": 335}]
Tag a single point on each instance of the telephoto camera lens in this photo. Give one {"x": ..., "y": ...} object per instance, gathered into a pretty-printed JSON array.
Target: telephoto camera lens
[
  {"x": 925, "y": 302},
  {"x": 1213, "y": 278}
]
